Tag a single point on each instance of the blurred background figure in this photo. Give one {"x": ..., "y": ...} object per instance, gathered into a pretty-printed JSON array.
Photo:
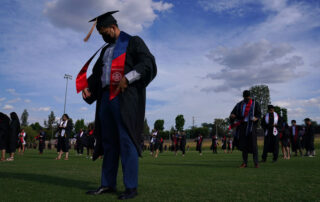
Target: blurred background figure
[
  {"x": 199, "y": 144},
  {"x": 42, "y": 139},
  {"x": 90, "y": 140},
  {"x": 309, "y": 135},
  {"x": 4, "y": 131},
  {"x": 65, "y": 129},
  {"x": 295, "y": 138},
  {"x": 224, "y": 143},
  {"x": 285, "y": 140},
  {"x": 214, "y": 144},
  {"x": 22, "y": 141},
  {"x": 81, "y": 141},
  {"x": 183, "y": 142},
  {"x": 12, "y": 139}
]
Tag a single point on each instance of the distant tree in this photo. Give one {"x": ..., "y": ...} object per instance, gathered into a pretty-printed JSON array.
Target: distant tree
[
  {"x": 146, "y": 129},
  {"x": 261, "y": 94},
  {"x": 284, "y": 113},
  {"x": 36, "y": 126},
  {"x": 180, "y": 122},
  {"x": 51, "y": 120},
  {"x": 220, "y": 127},
  {"x": 24, "y": 118},
  {"x": 159, "y": 125},
  {"x": 30, "y": 134},
  {"x": 79, "y": 125},
  {"x": 208, "y": 125},
  {"x": 195, "y": 131}
]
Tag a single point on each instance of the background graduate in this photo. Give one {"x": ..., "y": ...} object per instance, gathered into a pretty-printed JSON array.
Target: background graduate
[
  {"x": 309, "y": 138},
  {"x": 295, "y": 138},
  {"x": 41, "y": 138},
  {"x": 199, "y": 141},
  {"x": 81, "y": 141},
  {"x": 244, "y": 117},
  {"x": 271, "y": 124},
  {"x": 285, "y": 140},
  {"x": 12, "y": 138},
  {"x": 118, "y": 83},
  {"x": 65, "y": 130},
  {"x": 4, "y": 130},
  {"x": 183, "y": 142}
]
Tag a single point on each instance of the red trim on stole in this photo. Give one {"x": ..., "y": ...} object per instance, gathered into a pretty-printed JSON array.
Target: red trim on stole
[
  {"x": 117, "y": 72},
  {"x": 246, "y": 112}
]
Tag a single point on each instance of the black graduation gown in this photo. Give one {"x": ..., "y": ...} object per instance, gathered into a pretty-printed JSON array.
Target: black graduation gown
[
  {"x": 295, "y": 141},
  {"x": 271, "y": 142},
  {"x": 4, "y": 130},
  {"x": 133, "y": 99},
  {"x": 248, "y": 142},
  {"x": 12, "y": 139},
  {"x": 63, "y": 142},
  {"x": 309, "y": 138}
]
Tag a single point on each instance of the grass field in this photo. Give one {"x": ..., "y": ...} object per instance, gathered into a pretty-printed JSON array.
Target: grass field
[{"x": 210, "y": 177}]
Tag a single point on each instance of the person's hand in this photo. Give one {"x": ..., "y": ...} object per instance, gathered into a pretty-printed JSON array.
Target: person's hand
[
  {"x": 86, "y": 93},
  {"x": 123, "y": 84},
  {"x": 232, "y": 116},
  {"x": 255, "y": 119}
]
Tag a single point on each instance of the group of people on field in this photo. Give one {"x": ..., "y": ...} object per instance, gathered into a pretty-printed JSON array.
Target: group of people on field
[{"x": 245, "y": 117}]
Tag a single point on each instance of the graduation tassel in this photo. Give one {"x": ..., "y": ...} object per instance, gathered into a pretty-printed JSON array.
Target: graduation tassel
[{"x": 90, "y": 32}]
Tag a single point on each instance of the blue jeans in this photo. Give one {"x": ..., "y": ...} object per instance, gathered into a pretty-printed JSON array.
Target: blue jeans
[{"x": 116, "y": 142}]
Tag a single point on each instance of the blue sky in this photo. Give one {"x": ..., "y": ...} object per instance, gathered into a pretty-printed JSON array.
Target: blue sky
[{"x": 207, "y": 52}]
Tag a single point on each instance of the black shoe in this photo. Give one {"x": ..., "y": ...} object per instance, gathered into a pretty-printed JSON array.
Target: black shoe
[
  {"x": 274, "y": 160},
  {"x": 129, "y": 193},
  {"x": 101, "y": 190}
]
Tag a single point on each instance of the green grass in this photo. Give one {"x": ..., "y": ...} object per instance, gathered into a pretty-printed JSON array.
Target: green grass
[{"x": 210, "y": 177}]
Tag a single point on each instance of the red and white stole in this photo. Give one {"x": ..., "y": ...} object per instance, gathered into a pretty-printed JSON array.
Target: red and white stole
[{"x": 275, "y": 121}]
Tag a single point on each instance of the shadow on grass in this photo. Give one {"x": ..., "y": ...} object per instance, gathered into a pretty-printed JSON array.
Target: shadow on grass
[{"x": 47, "y": 179}]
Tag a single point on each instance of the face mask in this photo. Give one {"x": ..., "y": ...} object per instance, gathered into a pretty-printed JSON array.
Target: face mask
[{"x": 108, "y": 39}]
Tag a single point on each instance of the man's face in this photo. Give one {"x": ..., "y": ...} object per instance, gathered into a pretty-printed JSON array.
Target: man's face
[
  {"x": 271, "y": 110},
  {"x": 308, "y": 123},
  {"x": 246, "y": 98},
  {"x": 293, "y": 123},
  {"x": 108, "y": 34}
]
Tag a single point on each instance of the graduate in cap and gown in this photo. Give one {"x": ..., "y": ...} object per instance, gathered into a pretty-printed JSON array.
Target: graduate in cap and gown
[
  {"x": 41, "y": 138},
  {"x": 118, "y": 84},
  {"x": 4, "y": 131},
  {"x": 244, "y": 117},
  {"x": 309, "y": 138},
  {"x": 12, "y": 138},
  {"x": 271, "y": 124},
  {"x": 295, "y": 138}
]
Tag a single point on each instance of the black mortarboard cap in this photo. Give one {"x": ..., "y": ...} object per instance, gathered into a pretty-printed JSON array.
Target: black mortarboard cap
[
  {"x": 104, "y": 20},
  {"x": 307, "y": 119},
  {"x": 246, "y": 93},
  {"x": 270, "y": 107}
]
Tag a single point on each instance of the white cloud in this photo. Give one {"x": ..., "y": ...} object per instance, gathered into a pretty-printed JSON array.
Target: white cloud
[
  {"x": 42, "y": 109},
  {"x": 7, "y": 107},
  {"x": 27, "y": 101},
  {"x": 14, "y": 100},
  {"x": 84, "y": 108},
  {"x": 254, "y": 63},
  {"x": 11, "y": 91},
  {"x": 2, "y": 99},
  {"x": 134, "y": 15},
  {"x": 230, "y": 6}
]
